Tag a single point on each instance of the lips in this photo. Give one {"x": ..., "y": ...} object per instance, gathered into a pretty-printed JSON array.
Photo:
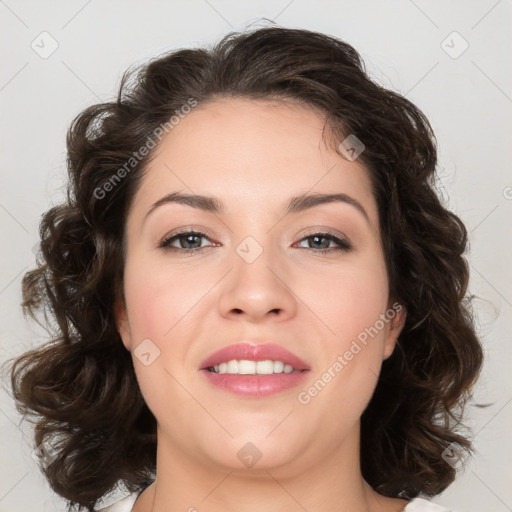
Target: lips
[{"x": 254, "y": 352}]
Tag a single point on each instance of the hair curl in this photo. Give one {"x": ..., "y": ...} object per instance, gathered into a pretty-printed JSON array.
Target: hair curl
[{"x": 81, "y": 385}]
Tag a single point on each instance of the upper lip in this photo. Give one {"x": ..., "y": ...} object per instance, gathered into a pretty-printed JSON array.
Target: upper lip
[{"x": 254, "y": 352}]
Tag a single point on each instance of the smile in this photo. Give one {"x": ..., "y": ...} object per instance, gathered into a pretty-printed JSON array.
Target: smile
[{"x": 247, "y": 367}]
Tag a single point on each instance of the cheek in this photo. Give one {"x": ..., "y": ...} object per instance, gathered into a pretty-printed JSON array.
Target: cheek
[
  {"x": 347, "y": 299},
  {"x": 166, "y": 311},
  {"x": 160, "y": 313},
  {"x": 161, "y": 298}
]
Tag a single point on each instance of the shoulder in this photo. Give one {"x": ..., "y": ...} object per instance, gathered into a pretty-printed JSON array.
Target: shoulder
[
  {"x": 422, "y": 505},
  {"x": 123, "y": 505}
]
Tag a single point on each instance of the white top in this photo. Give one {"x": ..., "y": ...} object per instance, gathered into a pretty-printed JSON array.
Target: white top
[{"x": 415, "y": 505}]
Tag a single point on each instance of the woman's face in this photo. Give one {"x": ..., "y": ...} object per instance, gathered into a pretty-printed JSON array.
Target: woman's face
[{"x": 258, "y": 275}]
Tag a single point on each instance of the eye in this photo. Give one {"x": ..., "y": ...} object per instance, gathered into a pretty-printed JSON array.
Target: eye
[
  {"x": 321, "y": 241},
  {"x": 190, "y": 241}
]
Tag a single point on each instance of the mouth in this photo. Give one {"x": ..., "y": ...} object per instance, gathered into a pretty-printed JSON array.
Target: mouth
[
  {"x": 254, "y": 371},
  {"x": 249, "y": 367},
  {"x": 254, "y": 359}
]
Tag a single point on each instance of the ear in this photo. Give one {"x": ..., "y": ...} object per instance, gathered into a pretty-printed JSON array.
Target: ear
[
  {"x": 122, "y": 323},
  {"x": 396, "y": 314}
]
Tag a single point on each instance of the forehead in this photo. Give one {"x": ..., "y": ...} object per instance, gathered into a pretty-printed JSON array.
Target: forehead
[{"x": 251, "y": 154}]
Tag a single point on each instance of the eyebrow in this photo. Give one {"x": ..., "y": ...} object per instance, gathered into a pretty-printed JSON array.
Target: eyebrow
[{"x": 295, "y": 204}]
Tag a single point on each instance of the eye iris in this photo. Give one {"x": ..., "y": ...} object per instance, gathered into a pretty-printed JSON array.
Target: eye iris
[
  {"x": 189, "y": 239},
  {"x": 325, "y": 245}
]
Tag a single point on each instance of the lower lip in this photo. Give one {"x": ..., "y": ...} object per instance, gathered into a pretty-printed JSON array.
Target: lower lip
[{"x": 255, "y": 386}]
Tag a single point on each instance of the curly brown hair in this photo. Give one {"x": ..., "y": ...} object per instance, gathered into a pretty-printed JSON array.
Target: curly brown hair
[{"x": 81, "y": 386}]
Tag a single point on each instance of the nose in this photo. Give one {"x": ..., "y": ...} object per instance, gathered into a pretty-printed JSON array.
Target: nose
[{"x": 258, "y": 289}]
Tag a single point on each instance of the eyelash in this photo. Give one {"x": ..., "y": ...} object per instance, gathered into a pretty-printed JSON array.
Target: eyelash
[{"x": 343, "y": 243}]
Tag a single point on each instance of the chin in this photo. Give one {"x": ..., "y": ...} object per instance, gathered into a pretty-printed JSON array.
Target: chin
[{"x": 259, "y": 451}]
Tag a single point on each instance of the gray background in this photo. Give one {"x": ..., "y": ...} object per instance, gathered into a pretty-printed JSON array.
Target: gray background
[{"x": 408, "y": 46}]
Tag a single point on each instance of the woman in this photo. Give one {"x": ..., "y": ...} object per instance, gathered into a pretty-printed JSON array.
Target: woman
[{"x": 260, "y": 299}]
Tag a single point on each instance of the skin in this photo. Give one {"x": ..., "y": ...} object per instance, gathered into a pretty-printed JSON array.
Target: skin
[{"x": 253, "y": 156}]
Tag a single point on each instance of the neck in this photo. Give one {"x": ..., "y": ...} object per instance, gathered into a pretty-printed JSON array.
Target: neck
[{"x": 184, "y": 483}]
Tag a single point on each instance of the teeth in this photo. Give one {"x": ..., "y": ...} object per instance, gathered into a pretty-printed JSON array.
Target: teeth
[
  {"x": 278, "y": 366},
  {"x": 246, "y": 367},
  {"x": 232, "y": 367}
]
